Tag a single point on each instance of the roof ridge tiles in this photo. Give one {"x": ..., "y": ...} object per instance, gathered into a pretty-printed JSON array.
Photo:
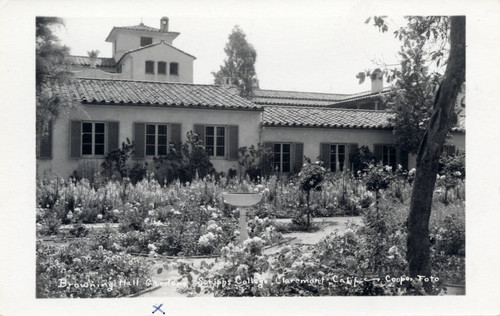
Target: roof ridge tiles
[
  {"x": 322, "y": 108},
  {"x": 295, "y": 91},
  {"x": 150, "y": 81}
]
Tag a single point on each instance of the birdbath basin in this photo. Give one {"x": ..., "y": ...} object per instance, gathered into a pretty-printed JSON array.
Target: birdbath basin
[{"x": 242, "y": 201}]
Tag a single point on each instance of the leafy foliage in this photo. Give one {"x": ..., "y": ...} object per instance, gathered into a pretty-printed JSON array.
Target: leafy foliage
[
  {"x": 51, "y": 67},
  {"x": 184, "y": 162},
  {"x": 118, "y": 160},
  {"x": 256, "y": 161},
  {"x": 87, "y": 269},
  {"x": 239, "y": 66},
  {"x": 423, "y": 53}
]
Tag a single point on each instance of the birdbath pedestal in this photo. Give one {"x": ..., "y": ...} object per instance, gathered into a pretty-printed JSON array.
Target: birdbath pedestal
[{"x": 242, "y": 201}]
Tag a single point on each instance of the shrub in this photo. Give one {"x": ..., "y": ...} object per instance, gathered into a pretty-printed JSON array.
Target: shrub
[
  {"x": 183, "y": 162},
  {"x": 84, "y": 269},
  {"x": 257, "y": 162},
  {"x": 117, "y": 163},
  {"x": 310, "y": 178}
]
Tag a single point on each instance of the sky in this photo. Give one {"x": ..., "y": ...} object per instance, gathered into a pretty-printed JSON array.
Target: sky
[{"x": 298, "y": 52}]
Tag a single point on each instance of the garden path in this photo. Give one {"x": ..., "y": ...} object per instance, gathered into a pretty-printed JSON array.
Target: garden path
[{"x": 167, "y": 279}]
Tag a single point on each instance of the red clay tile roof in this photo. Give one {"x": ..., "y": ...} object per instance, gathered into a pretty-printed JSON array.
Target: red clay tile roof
[
  {"x": 280, "y": 94},
  {"x": 140, "y": 27},
  {"x": 152, "y": 45},
  {"x": 325, "y": 117},
  {"x": 85, "y": 61},
  {"x": 297, "y": 98},
  {"x": 118, "y": 91}
]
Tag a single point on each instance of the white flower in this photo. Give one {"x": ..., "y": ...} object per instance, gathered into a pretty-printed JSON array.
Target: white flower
[
  {"x": 242, "y": 269},
  {"x": 297, "y": 264},
  {"x": 99, "y": 216},
  {"x": 152, "y": 247},
  {"x": 393, "y": 250},
  {"x": 349, "y": 233},
  {"x": 457, "y": 173}
]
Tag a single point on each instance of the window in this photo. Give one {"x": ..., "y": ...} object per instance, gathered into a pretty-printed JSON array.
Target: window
[
  {"x": 337, "y": 157},
  {"x": 281, "y": 157},
  {"x": 215, "y": 141},
  {"x": 146, "y": 41},
  {"x": 156, "y": 139},
  {"x": 174, "y": 68},
  {"x": 162, "y": 68},
  {"x": 150, "y": 67},
  {"x": 389, "y": 156},
  {"x": 93, "y": 136}
]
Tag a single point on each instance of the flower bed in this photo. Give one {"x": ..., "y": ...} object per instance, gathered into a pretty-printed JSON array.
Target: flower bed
[{"x": 192, "y": 220}]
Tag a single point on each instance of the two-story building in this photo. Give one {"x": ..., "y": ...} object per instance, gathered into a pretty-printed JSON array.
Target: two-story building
[{"x": 145, "y": 93}]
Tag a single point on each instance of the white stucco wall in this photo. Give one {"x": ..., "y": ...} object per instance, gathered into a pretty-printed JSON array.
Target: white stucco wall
[
  {"x": 133, "y": 65},
  {"x": 127, "y": 40},
  {"x": 313, "y": 137},
  {"x": 456, "y": 139},
  {"x": 62, "y": 164}
]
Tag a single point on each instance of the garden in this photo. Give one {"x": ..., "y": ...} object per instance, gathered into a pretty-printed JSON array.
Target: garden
[{"x": 111, "y": 235}]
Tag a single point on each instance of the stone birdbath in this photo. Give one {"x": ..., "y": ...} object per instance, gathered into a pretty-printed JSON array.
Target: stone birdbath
[{"x": 242, "y": 201}]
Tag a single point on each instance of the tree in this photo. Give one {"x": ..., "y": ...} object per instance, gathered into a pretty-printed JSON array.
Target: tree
[
  {"x": 430, "y": 150},
  {"x": 51, "y": 67},
  {"x": 418, "y": 85},
  {"x": 239, "y": 66},
  {"x": 425, "y": 46}
]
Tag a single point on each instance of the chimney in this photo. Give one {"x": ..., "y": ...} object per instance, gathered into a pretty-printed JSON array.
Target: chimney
[
  {"x": 377, "y": 78},
  {"x": 164, "y": 24},
  {"x": 226, "y": 81}
]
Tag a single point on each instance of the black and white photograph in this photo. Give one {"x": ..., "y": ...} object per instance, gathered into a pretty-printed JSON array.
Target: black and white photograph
[{"x": 264, "y": 157}]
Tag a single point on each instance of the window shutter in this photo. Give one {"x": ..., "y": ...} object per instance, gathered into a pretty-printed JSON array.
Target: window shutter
[
  {"x": 46, "y": 144},
  {"x": 139, "y": 129},
  {"x": 113, "y": 142},
  {"x": 324, "y": 154},
  {"x": 378, "y": 152},
  {"x": 450, "y": 150},
  {"x": 200, "y": 130},
  {"x": 403, "y": 159},
  {"x": 175, "y": 133},
  {"x": 353, "y": 150},
  {"x": 75, "y": 138},
  {"x": 233, "y": 142},
  {"x": 298, "y": 157}
]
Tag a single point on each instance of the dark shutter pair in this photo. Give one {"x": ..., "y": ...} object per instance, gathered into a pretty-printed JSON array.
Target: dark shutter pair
[
  {"x": 232, "y": 143},
  {"x": 76, "y": 137},
  {"x": 401, "y": 155},
  {"x": 296, "y": 155},
  {"x": 139, "y": 137}
]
